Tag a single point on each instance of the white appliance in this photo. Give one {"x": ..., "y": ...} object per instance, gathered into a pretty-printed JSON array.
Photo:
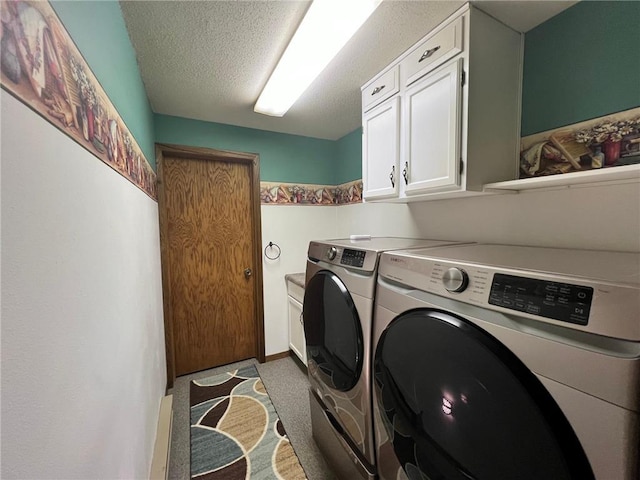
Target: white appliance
[
  {"x": 496, "y": 361},
  {"x": 337, "y": 312}
]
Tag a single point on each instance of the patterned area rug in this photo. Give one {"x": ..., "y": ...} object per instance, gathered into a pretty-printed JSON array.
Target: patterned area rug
[{"x": 236, "y": 432}]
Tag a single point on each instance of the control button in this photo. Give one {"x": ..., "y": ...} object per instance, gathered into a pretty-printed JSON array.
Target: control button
[
  {"x": 582, "y": 295},
  {"x": 455, "y": 280},
  {"x": 331, "y": 254},
  {"x": 533, "y": 309}
]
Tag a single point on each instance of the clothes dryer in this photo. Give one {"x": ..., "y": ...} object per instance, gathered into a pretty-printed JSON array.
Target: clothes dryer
[
  {"x": 337, "y": 312},
  {"x": 507, "y": 362}
]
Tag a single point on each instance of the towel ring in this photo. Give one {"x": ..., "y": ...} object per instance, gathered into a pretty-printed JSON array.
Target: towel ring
[{"x": 270, "y": 247}]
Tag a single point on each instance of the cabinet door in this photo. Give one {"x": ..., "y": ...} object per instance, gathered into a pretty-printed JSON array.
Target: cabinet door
[
  {"x": 381, "y": 150},
  {"x": 296, "y": 330},
  {"x": 432, "y": 122}
]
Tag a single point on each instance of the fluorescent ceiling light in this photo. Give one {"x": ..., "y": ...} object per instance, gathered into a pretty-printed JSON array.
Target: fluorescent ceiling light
[{"x": 325, "y": 29}]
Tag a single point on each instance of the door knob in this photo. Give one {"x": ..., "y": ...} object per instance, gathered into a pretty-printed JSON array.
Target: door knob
[{"x": 247, "y": 272}]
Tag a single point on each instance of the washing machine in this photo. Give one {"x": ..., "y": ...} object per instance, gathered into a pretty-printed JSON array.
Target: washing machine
[
  {"x": 507, "y": 362},
  {"x": 337, "y": 314}
]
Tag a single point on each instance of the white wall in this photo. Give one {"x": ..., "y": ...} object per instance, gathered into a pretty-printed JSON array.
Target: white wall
[
  {"x": 376, "y": 219},
  {"x": 605, "y": 217},
  {"x": 292, "y": 228},
  {"x": 596, "y": 217},
  {"x": 83, "y": 365}
]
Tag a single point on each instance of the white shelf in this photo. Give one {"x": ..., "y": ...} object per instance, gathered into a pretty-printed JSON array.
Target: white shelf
[{"x": 611, "y": 175}]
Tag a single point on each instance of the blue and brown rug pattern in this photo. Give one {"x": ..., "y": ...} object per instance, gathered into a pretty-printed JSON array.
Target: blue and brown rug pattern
[{"x": 236, "y": 432}]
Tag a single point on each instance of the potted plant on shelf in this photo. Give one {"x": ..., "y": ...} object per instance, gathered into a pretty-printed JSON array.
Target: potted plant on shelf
[{"x": 608, "y": 136}]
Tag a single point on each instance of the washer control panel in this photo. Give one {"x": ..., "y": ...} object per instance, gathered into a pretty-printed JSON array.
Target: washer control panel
[
  {"x": 455, "y": 280},
  {"x": 353, "y": 258},
  {"x": 608, "y": 308},
  {"x": 559, "y": 301}
]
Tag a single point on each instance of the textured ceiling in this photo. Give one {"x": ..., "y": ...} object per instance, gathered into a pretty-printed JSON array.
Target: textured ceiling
[{"x": 209, "y": 60}]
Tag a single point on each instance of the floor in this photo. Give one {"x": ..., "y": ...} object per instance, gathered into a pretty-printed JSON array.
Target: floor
[{"x": 287, "y": 385}]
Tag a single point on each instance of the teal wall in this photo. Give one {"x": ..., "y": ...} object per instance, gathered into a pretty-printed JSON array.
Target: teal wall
[
  {"x": 581, "y": 64},
  {"x": 578, "y": 65},
  {"x": 349, "y": 157},
  {"x": 99, "y": 32},
  {"x": 283, "y": 158}
]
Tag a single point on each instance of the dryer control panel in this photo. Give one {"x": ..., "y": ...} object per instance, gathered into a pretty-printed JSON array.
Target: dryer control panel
[
  {"x": 354, "y": 259},
  {"x": 560, "y": 301}
]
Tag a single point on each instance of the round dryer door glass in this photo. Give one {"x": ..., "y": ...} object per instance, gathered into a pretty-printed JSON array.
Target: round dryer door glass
[
  {"x": 332, "y": 331},
  {"x": 457, "y": 404}
]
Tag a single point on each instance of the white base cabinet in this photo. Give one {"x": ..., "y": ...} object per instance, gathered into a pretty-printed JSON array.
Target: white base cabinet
[
  {"x": 458, "y": 108},
  {"x": 297, "y": 343}
]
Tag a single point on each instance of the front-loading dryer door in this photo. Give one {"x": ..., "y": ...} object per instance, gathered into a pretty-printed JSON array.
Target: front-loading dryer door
[
  {"x": 455, "y": 403},
  {"x": 332, "y": 332}
]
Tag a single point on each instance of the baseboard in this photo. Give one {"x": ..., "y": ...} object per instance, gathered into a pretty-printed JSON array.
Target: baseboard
[
  {"x": 297, "y": 361},
  {"x": 162, "y": 447},
  {"x": 277, "y": 356}
]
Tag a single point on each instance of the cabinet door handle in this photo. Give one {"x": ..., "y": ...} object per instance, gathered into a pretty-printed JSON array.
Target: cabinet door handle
[
  {"x": 428, "y": 53},
  {"x": 377, "y": 89},
  {"x": 392, "y": 176},
  {"x": 301, "y": 319},
  {"x": 405, "y": 173}
]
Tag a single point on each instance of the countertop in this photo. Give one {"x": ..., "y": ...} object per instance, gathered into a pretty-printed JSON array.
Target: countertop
[{"x": 295, "y": 278}]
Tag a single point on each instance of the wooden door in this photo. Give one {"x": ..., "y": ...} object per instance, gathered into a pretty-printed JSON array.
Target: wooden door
[{"x": 211, "y": 257}]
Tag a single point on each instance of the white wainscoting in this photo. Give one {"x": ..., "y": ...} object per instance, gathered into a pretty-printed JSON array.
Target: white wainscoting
[
  {"x": 291, "y": 227},
  {"x": 83, "y": 363}
]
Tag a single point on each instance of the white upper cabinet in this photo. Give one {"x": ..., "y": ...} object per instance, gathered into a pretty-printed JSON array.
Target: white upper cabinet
[
  {"x": 381, "y": 145},
  {"x": 431, "y": 122},
  {"x": 453, "y": 123},
  {"x": 439, "y": 47},
  {"x": 385, "y": 86}
]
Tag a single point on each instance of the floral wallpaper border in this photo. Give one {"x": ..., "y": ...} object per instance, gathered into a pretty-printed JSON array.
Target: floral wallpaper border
[
  {"x": 42, "y": 67},
  {"x": 309, "y": 194},
  {"x": 603, "y": 142}
]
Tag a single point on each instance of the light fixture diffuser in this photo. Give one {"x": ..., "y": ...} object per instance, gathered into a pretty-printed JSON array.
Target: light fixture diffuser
[{"x": 325, "y": 29}]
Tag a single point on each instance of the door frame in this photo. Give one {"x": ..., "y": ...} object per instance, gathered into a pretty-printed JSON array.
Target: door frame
[{"x": 200, "y": 153}]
